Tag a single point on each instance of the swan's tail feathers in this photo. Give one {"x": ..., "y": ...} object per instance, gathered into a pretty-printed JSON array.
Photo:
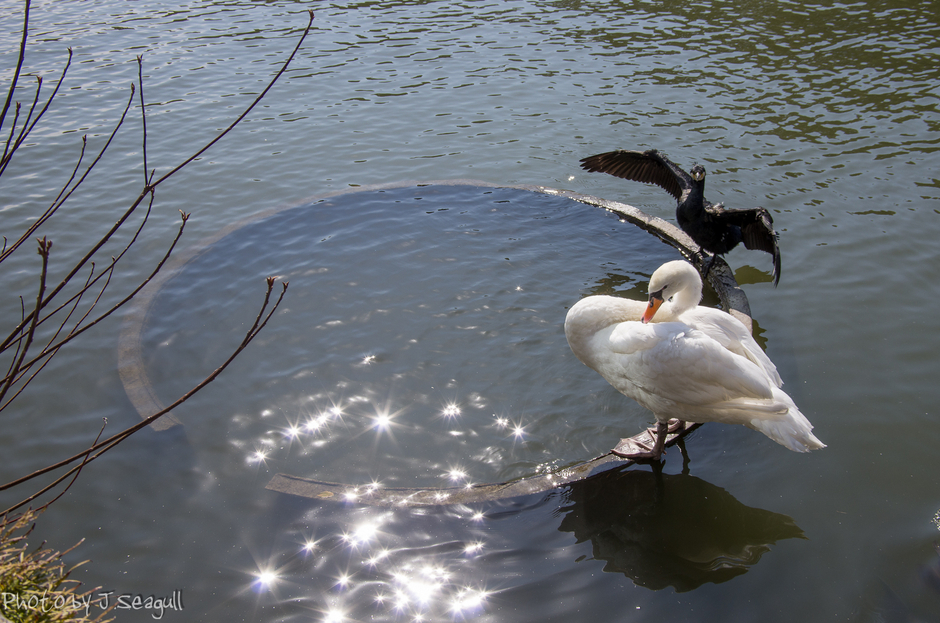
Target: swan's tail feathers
[{"x": 792, "y": 430}]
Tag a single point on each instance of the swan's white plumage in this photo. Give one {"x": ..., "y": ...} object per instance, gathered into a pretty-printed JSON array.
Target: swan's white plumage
[
  {"x": 692, "y": 363},
  {"x": 681, "y": 289}
]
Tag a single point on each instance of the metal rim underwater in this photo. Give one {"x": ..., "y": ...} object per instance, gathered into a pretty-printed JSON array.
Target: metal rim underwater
[{"x": 140, "y": 391}]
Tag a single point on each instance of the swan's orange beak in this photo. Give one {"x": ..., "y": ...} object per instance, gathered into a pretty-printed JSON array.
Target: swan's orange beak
[{"x": 655, "y": 302}]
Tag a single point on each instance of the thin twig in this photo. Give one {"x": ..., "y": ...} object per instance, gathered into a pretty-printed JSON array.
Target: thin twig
[
  {"x": 19, "y": 343},
  {"x": 111, "y": 267},
  {"x": 74, "y": 478},
  {"x": 101, "y": 242},
  {"x": 33, "y": 318},
  {"x": 6, "y": 148},
  {"x": 75, "y": 332},
  {"x": 27, "y": 126},
  {"x": 23, "y": 131},
  {"x": 247, "y": 110},
  {"x": 103, "y": 446},
  {"x": 44, "y": 248},
  {"x": 149, "y": 187},
  {"x": 53, "y": 207},
  {"x": 27, "y": 366},
  {"x": 143, "y": 112},
  {"x": 19, "y": 64}
]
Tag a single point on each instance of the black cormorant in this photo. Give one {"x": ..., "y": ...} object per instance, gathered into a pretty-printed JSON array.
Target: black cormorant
[{"x": 713, "y": 227}]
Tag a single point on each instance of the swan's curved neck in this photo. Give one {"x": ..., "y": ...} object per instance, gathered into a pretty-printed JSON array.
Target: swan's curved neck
[{"x": 686, "y": 298}]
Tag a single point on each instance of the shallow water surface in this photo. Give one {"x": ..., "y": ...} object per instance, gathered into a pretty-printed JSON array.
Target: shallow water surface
[
  {"x": 418, "y": 346},
  {"x": 420, "y": 342}
]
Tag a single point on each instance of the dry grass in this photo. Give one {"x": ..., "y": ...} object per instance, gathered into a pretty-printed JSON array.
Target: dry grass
[{"x": 34, "y": 583}]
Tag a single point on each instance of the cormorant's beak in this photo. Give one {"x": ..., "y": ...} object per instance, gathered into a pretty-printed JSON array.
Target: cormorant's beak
[{"x": 656, "y": 300}]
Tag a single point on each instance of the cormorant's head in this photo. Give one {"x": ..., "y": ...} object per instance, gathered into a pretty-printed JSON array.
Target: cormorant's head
[{"x": 698, "y": 173}]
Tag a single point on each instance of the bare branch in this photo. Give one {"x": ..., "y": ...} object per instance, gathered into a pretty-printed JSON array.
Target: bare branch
[
  {"x": 108, "y": 270},
  {"x": 101, "y": 242},
  {"x": 143, "y": 112},
  {"x": 75, "y": 332},
  {"x": 6, "y": 148},
  {"x": 247, "y": 110},
  {"x": 58, "y": 480},
  {"x": 8, "y": 153},
  {"x": 27, "y": 126},
  {"x": 44, "y": 247},
  {"x": 27, "y": 366},
  {"x": 19, "y": 343},
  {"x": 24, "y": 333},
  {"x": 148, "y": 188},
  {"x": 19, "y": 64},
  {"x": 49, "y": 211},
  {"x": 100, "y": 448},
  {"x": 7, "y": 156}
]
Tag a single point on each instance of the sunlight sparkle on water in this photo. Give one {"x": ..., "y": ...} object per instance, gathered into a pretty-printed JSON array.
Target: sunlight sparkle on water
[
  {"x": 419, "y": 588},
  {"x": 473, "y": 548},
  {"x": 377, "y": 558},
  {"x": 292, "y": 433},
  {"x": 266, "y": 578},
  {"x": 334, "y": 615},
  {"x": 406, "y": 586},
  {"x": 382, "y": 422},
  {"x": 468, "y": 600},
  {"x": 456, "y": 474},
  {"x": 361, "y": 534},
  {"x": 314, "y": 424}
]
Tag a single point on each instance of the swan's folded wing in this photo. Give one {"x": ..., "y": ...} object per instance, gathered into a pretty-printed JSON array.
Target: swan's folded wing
[
  {"x": 630, "y": 338},
  {"x": 678, "y": 363},
  {"x": 734, "y": 336}
]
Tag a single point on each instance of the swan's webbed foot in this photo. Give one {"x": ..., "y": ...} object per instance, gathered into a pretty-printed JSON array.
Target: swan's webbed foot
[
  {"x": 627, "y": 445},
  {"x": 640, "y": 456},
  {"x": 649, "y": 454}
]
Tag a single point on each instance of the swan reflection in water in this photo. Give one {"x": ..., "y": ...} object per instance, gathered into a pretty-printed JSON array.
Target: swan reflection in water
[{"x": 665, "y": 530}]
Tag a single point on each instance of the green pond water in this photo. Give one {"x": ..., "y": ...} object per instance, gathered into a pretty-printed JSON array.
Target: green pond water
[{"x": 421, "y": 339}]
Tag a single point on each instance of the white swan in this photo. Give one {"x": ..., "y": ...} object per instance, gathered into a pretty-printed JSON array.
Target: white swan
[{"x": 694, "y": 363}]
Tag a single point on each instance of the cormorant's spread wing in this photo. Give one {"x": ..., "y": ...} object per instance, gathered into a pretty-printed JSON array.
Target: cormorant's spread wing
[
  {"x": 650, "y": 167},
  {"x": 757, "y": 230}
]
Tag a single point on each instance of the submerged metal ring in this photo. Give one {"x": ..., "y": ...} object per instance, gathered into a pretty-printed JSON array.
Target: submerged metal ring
[{"x": 140, "y": 391}]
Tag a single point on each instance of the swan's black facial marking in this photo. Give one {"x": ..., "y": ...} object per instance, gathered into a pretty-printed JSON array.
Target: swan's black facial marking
[{"x": 658, "y": 295}]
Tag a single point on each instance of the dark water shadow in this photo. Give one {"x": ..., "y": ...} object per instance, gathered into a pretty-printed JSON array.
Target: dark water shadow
[{"x": 664, "y": 530}]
